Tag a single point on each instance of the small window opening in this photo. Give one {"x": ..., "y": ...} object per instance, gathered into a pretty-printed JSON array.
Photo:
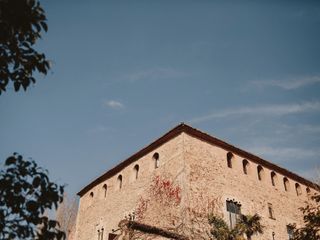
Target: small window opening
[
  {"x": 286, "y": 184},
  {"x": 120, "y": 181},
  {"x": 229, "y": 159},
  {"x": 298, "y": 189},
  {"x": 156, "y": 160},
  {"x": 308, "y": 191},
  {"x": 102, "y": 230},
  {"x": 100, "y": 234},
  {"x": 290, "y": 230},
  {"x": 273, "y": 178},
  {"x": 136, "y": 171},
  {"x": 270, "y": 210},
  {"x": 234, "y": 211},
  {"x": 260, "y": 173},
  {"x": 91, "y": 198},
  {"x": 245, "y": 166},
  {"x": 105, "y": 189}
]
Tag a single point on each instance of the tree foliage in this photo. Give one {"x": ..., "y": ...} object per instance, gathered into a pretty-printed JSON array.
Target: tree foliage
[
  {"x": 250, "y": 225},
  {"x": 21, "y": 24},
  {"x": 26, "y": 193},
  {"x": 220, "y": 229},
  {"x": 311, "y": 228},
  {"x": 247, "y": 225}
]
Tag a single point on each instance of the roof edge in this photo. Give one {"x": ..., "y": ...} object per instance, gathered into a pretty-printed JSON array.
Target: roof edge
[
  {"x": 247, "y": 155},
  {"x": 163, "y": 139},
  {"x": 182, "y": 127}
]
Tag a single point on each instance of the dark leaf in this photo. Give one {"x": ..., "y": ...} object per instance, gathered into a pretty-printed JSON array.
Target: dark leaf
[
  {"x": 44, "y": 26},
  {"x": 36, "y": 182},
  {"x": 10, "y": 160},
  {"x": 52, "y": 224},
  {"x": 16, "y": 86}
]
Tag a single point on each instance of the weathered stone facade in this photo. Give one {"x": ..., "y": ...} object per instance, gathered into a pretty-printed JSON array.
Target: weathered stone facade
[{"x": 197, "y": 163}]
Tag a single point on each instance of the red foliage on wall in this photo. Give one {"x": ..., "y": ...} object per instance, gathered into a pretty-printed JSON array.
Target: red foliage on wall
[
  {"x": 165, "y": 190},
  {"x": 162, "y": 195},
  {"x": 141, "y": 208}
]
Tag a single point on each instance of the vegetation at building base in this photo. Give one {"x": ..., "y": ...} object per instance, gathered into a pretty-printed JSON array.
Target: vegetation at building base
[
  {"x": 21, "y": 24},
  {"x": 248, "y": 225},
  {"x": 26, "y": 193},
  {"x": 311, "y": 217}
]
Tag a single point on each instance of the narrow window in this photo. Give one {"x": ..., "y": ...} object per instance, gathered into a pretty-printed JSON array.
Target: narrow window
[
  {"x": 245, "y": 166},
  {"x": 286, "y": 184},
  {"x": 270, "y": 210},
  {"x": 229, "y": 159},
  {"x": 91, "y": 198},
  {"x": 308, "y": 191},
  {"x": 156, "y": 160},
  {"x": 260, "y": 172},
  {"x": 105, "y": 188},
  {"x": 273, "y": 178},
  {"x": 298, "y": 189},
  {"x": 234, "y": 211},
  {"x": 290, "y": 232},
  {"x": 100, "y": 234},
  {"x": 136, "y": 171},
  {"x": 120, "y": 181}
]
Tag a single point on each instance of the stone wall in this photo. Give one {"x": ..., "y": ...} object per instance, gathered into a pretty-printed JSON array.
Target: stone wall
[
  {"x": 210, "y": 176},
  {"x": 201, "y": 171},
  {"x": 98, "y": 210}
]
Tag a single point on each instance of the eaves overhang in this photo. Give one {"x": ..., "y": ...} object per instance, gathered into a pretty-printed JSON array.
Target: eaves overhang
[{"x": 204, "y": 137}]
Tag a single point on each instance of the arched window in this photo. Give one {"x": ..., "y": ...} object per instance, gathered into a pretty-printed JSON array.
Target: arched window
[
  {"x": 91, "y": 194},
  {"x": 260, "y": 172},
  {"x": 273, "y": 178},
  {"x": 156, "y": 160},
  {"x": 229, "y": 159},
  {"x": 286, "y": 184},
  {"x": 120, "y": 181},
  {"x": 308, "y": 191},
  {"x": 105, "y": 188},
  {"x": 298, "y": 189},
  {"x": 245, "y": 166},
  {"x": 136, "y": 171}
]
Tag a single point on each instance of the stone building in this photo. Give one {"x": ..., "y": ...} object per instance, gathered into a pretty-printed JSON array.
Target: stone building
[{"x": 201, "y": 168}]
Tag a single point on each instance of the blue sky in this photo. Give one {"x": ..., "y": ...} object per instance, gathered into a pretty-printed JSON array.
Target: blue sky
[{"x": 125, "y": 72}]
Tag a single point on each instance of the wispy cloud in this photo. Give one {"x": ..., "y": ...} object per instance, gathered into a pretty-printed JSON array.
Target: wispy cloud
[
  {"x": 269, "y": 110},
  {"x": 285, "y": 153},
  {"x": 289, "y": 84},
  {"x": 114, "y": 104},
  {"x": 153, "y": 74}
]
